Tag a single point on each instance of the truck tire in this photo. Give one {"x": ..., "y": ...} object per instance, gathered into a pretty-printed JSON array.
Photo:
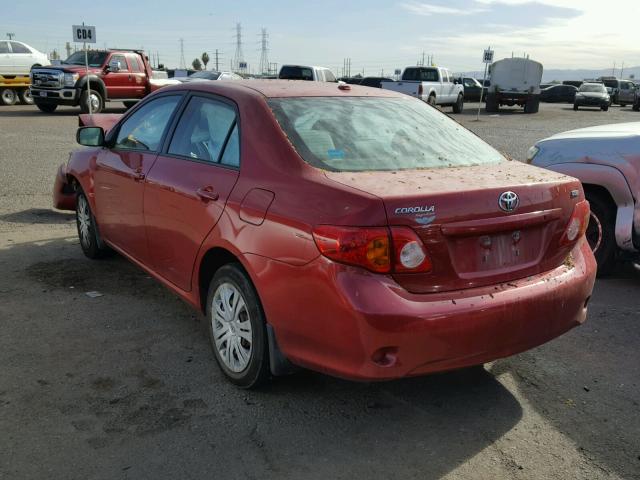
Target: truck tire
[
  {"x": 8, "y": 96},
  {"x": 459, "y": 105},
  {"x": 636, "y": 107},
  {"x": 25, "y": 97},
  {"x": 601, "y": 233},
  {"x": 46, "y": 107},
  {"x": 532, "y": 105},
  {"x": 432, "y": 100},
  {"x": 491, "y": 103},
  {"x": 97, "y": 102},
  {"x": 604, "y": 108}
]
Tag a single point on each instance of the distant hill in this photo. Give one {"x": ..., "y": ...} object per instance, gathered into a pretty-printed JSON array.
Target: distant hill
[{"x": 577, "y": 74}]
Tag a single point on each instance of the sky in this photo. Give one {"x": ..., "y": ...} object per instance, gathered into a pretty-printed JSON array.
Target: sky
[{"x": 377, "y": 35}]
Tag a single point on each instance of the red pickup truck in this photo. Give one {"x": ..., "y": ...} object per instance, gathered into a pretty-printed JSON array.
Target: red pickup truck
[{"x": 113, "y": 75}]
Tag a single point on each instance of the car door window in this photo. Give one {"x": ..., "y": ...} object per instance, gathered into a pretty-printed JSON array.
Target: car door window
[
  {"x": 122, "y": 60},
  {"x": 231, "y": 155},
  {"x": 144, "y": 129},
  {"x": 19, "y": 48},
  {"x": 4, "y": 47},
  {"x": 203, "y": 130}
]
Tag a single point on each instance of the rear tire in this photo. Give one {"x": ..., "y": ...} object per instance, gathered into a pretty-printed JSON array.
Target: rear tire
[
  {"x": 88, "y": 233},
  {"x": 25, "y": 97},
  {"x": 605, "y": 108},
  {"x": 459, "y": 105},
  {"x": 8, "y": 96},
  {"x": 601, "y": 232},
  {"x": 636, "y": 107},
  {"x": 97, "y": 102},
  {"x": 432, "y": 100},
  {"x": 491, "y": 103},
  {"x": 532, "y": 105},
  {"x": 46, "y": 107},
  {"x": 237, "y": 327},
  {"x": 575, "y": 107}
]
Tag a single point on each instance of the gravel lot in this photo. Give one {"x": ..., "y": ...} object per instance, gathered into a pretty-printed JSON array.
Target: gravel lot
[{"x": 125, "y": 385}]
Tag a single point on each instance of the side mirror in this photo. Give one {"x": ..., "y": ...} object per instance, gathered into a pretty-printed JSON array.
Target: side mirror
[
  {"x": 114, "y": 66},
  {"x": 90, "y": 136}
]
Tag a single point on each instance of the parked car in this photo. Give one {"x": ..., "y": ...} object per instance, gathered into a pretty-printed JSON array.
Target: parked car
[
  {"x": 606, "y": 159},
  {"x": 622, "y": 91},
  {"x": 352, "y": 231},
  {"x": 311, "y": 74},
  {"x": 575, "y": 83},
  {"x": 17, "y": 58},
  {"x": 208, "y": 75},
  {"x": 514, "y": 81},
  {"x": 592, "y": 95},
  {"x": 472, "y": 88},
  {"x": 375, "y": 82},
  {"x": 433, "y": 85},
  {"x": 559, "y": 93}
]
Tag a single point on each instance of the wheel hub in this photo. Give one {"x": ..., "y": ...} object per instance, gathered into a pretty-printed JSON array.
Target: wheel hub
[{"x": 231, "y": 327}]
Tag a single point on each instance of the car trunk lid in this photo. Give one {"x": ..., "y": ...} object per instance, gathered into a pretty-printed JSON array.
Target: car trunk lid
[{"x": 464, "y": 220}]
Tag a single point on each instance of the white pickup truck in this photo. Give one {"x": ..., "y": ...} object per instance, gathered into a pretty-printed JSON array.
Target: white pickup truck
[{"x": 433, "y": 85}]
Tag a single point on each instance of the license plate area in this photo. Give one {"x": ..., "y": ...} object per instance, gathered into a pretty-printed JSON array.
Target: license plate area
[
  {"x": 43, "y": 94},
  {"x": 500, "y": 251}
]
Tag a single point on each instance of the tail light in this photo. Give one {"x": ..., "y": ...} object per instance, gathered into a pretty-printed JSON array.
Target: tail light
[
  {"x": 578, "y": 223},
  {"x": 420, "y": 89},
  {"x": 378, "y": 249}
]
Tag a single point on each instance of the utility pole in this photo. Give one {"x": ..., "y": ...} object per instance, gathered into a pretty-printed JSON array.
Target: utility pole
[
  {"x": 264, "y": 60},
  {"x": 621, "y": 69},
  {"x": 67, "y": 47},
  {"x": 239, "y": 55},
  {"x": 11, "y": 35},
  {"x": 217, "y": 61},
  {"x": 613, "y": 71},
  {"x": 183, "y": 63}
]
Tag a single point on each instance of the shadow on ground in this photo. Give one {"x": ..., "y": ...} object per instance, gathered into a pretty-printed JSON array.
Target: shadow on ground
[{"x": 38, "y": 216}]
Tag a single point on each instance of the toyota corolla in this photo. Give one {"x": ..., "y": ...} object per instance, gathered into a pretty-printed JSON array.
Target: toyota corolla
[{"x": 353, "y": 231}]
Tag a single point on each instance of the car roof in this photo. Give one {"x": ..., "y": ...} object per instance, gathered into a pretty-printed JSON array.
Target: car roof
[{"x": 285, "y": 88}]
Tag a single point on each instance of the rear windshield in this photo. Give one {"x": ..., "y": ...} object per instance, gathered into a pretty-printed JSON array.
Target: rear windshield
[
  {"x": 96, "y": 59},
  {"x": 369, "y": 133},
  {"x": 421, "y": 74},
  {"x": 593, "y": 88},
  {"x": 205, "y": 75},
  {"x": 296, "y": 73}
]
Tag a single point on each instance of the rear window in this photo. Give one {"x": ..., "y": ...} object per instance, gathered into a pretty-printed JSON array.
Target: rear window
[
  {"x": 421, "y": 74},
  {"x": 296, "y": 73},
  {"x": 359, "y": 133},
  {"x": 599, "y": 88}
]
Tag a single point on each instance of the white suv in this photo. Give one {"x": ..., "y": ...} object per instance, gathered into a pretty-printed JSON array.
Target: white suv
[
  {"x": 17, "y": 58},
  {"x": 303, "y": 72}
]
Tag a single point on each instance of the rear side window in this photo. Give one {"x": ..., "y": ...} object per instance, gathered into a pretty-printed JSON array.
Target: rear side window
[
  {"x": 144, "y": 129},
  {"x": 360, "y": 133},
  {"x": 296, "y": 73},
  {"x": 136, "y": 63},
  {"x": 329, "y": 76},
  {"x": 4, "y": 47},
  {"x": 19, "y": 48},
  {"x": 203, "y": 131}
]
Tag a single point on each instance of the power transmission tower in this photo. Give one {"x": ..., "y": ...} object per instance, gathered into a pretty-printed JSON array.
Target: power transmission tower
[
  {"x": 238, "y": 59},
  {"x": 264, "y": 60},
  {"x": 183, "y": 63},
  {"x": 11, "y": 35}
]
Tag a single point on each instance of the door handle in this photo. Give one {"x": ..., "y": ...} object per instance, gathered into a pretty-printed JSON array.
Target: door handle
[{"x": 207, "y": 193}]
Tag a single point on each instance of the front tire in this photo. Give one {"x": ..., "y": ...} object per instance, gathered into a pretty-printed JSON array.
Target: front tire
[
  {"x": 491, "y": 103},
  {"x": 575, "y": 107},
  {"x": 8, "y": 96},
  {"x": 459, "y": 105},
  {"x": 605, "y": 108},
  {"x": 237, "y": 327},
  {"x": 97, "y": 102},
  {"x": 601, "y": 232},
  {"x": 88, "y": 233}
]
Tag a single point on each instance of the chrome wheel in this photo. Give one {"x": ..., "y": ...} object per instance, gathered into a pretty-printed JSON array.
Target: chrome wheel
[
  {"x": 84, "y": 222},
  {"x": 231, "y": 327},
  {"x": 95, "y": 102},
  {"x": 594, "y": 232}
]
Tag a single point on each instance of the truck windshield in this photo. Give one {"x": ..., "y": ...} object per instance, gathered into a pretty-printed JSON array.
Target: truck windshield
[
  {"x": 421, "y": 74},
  {"x": 96, "y": 59},
  {"x": 369, "y": 133}
]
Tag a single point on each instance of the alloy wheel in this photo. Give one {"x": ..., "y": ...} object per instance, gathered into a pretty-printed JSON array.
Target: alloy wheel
[
  {"x": 231, "y": 327},
  {"x": 84, "y": 221}
]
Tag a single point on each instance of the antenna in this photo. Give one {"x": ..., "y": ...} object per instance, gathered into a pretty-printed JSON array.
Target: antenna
[
  {"x": 264, "y": 60},
  {"x": 183, "y": 63},
  {"x": 238, "y": 58}
]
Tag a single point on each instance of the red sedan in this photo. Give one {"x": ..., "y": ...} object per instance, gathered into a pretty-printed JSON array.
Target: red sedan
[{"x": 349, "y": 230}]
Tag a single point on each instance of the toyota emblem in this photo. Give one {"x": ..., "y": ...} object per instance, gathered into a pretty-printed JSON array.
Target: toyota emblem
[{"x": 509, "y": 201}]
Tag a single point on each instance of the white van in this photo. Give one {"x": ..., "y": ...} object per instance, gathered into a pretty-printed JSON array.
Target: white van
[
  {"x": 17, "y": 58},
  {"x": 311, "y": 74}
]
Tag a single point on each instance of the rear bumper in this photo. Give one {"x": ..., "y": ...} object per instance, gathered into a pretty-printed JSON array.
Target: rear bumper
[
  {"x": 591, "y": 103},
  {"x": 346, "y": 322},
  {"x": 64, "y": 197}
]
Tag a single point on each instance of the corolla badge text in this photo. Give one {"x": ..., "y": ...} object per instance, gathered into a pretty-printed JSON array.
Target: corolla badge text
[{"x": 416, "y": 210}]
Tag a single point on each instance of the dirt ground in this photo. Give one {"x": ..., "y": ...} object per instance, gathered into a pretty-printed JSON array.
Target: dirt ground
[{"x": 124, "y": 385}]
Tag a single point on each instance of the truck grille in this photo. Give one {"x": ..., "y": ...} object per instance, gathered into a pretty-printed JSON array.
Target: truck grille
[{"x": 47, "y": 78}]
